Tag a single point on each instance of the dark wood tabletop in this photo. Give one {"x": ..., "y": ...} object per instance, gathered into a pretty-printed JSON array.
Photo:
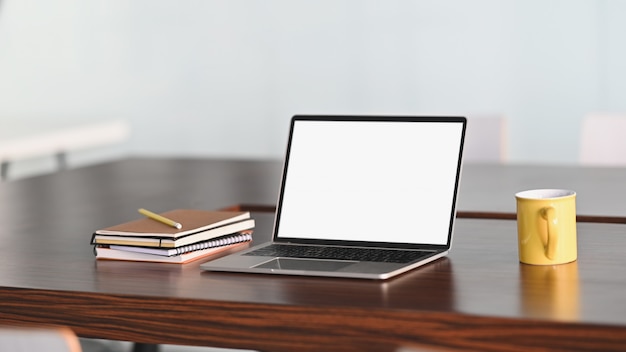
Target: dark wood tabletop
[{"x": 478, "y": 298}]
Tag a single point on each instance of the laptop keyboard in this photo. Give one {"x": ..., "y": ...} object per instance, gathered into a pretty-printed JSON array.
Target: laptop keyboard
[{"x": 340, "y": 253}]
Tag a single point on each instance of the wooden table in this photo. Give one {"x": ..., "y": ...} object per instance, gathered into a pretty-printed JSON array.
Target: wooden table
[{"x": 478, "y": 298}]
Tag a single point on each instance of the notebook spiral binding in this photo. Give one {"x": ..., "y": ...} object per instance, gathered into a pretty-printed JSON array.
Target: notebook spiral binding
[{"x": 242, "y": 237}]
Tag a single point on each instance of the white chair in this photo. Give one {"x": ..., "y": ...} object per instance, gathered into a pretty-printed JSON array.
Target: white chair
[
  {"x": 486, "y": 139},
  {"x": 603, "y": 140},
  {"x": 50, "y": 339}
]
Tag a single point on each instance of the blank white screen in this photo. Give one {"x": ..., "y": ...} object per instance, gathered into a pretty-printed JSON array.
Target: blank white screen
[{"x": 371, "y": 181}]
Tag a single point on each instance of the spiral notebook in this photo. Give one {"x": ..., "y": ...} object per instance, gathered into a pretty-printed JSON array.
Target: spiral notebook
[
  {"x": 361, "y": 197},
  {"x": 168, "y": 252},
  {"x": 216, "y": 247}
]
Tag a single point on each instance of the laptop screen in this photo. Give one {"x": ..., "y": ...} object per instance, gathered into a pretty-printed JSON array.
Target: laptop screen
[{"x": 389, "y": 180}]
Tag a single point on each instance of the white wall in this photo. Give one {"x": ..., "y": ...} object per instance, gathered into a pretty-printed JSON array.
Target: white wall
[{"x": 199, "y": 77}]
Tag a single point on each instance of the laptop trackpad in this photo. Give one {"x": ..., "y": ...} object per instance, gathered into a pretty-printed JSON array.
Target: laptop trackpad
[{"x": 304, "y": 264}]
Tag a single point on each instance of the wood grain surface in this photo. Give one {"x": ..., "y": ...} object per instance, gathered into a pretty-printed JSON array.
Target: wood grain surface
[{"x": 478, "y": 298}]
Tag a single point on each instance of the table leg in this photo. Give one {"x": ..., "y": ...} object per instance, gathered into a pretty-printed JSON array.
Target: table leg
[
  {"x": 145, "y": 347},
  {"x": 4, "y": 170},
  {"x": 61, "y": 160}
]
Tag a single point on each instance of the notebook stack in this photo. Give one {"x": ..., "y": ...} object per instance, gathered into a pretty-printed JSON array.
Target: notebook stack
[{"x": 202, "y": 234}]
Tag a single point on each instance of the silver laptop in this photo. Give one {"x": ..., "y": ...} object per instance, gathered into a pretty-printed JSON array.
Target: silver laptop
[{"x": 361, "y": 197}]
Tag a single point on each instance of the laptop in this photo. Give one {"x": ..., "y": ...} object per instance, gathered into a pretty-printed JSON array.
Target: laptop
[{"x": 361, "y": 197}]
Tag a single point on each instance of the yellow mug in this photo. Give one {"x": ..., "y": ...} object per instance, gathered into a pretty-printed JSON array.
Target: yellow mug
[{"x": 546, "y": 226}]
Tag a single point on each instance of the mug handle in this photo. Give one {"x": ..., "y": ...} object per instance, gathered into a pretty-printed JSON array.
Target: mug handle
[{"x": 550, "y": 243}]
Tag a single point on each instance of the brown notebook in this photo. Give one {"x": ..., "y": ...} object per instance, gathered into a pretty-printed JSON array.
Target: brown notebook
[
  {"x": 193, "y": 220},
  {"x": 198, "y": 225}
]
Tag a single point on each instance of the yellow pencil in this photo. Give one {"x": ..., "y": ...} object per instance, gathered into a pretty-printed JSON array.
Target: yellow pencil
[{"x": 160, "y": 218}]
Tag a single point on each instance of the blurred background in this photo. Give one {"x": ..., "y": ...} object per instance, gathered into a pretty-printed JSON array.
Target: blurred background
[{"x": 222, "y": 78}]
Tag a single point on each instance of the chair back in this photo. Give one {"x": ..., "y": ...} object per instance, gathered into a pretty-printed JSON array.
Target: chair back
[
  {"x": 486, "y": 139},
  {"x": 603, "y": 140}
]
